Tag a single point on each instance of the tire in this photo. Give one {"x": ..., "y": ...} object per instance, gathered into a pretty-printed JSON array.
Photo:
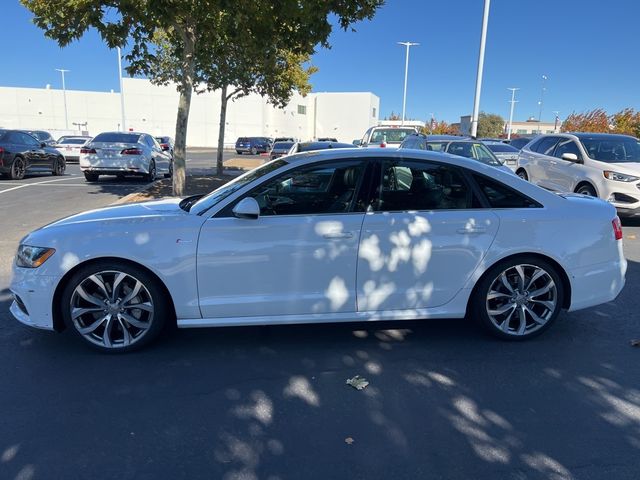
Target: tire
[
  {"x": 254, "y": 151},
  {"x": 523, "y": 174},
  {"x": 586, "y": 189},
  {"x": 170, "y": 174},
  {"x": 18, "y": 169},
  {"x": 59, "y": 166},
  {"x": 151, "y": 176},
  {"x": 238, "y": 152},
  {"x": 494, "y": 303},
  {"x": 91, "y": 177},
  {"x": 99, "y": 305},
  {"x": 120, "y": 176}
]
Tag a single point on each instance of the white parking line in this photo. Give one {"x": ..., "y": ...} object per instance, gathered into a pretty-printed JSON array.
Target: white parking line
[{"x": 24, "y": 185}]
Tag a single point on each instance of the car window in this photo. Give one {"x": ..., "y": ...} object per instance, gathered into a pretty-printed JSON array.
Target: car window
[
  {"x": 115, "y": 137},
  {"x": 501, "y": 148},
  {"x": 503, "y": 196},
  {"x": 567, "y": 146},
  {"x": 409, "y": 185},
  {"x": 72, "y": 141},
  {"x": 390, "y": 135},
  {"x": 436, "y": 146},
  {"x": 311, "y": 190},
  {"x": 484, "y": 155},
  {"x": 28, "y": 140},
  {"x": 545, "y": 145}
]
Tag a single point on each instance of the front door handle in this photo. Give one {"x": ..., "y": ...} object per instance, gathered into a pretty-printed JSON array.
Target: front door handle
[
  {"x": 553, "y": 162},
  {"x": 338, "y": 235},
  {"x": 472, "y": 230}
]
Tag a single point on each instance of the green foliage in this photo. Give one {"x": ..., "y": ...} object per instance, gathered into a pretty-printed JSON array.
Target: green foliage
[{"x": 490, "y": 125}]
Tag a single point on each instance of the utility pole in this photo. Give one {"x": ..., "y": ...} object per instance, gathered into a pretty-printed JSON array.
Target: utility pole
[
  {"x": 124, "y": 129},
  {"x": 483, "y": 39},
  {"x": 406, "y": 73},
  {"x": 555, "y": 125},
  {"x": 544, "y": 79},
  {"x": 513, "y": 101},
  {"x": 64, "y": 97}
]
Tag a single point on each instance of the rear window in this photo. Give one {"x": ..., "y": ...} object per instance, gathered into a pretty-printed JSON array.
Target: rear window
[
  {"x": 73, "y": 141},
  {"x": 282, "y": 145},
  {"x": 501, "y": 147},
  {"x": 162, "y": 139},
  {"x": 117, "y": 138},
  {"x": 243, "y": 139},
  {"x": 390, "y": 135}
]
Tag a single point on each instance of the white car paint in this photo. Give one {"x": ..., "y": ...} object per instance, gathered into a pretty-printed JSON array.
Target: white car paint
[
  {"x": 328, "y": 268},
  {"x": 554, "y": 173},
  {"x": 374, "y": 137}
]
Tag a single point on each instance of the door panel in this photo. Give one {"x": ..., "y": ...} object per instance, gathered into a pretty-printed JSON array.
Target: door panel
[
  {"x": 410, "y": 260},
  {"x": 278, "y": 265},
  {"x": 564, "y": 174}
]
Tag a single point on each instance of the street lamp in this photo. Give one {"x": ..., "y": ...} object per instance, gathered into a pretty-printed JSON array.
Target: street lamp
[
  {"x": 483, "y": 40},
  {"x": 406, "y": 73},
  {"x": 64, "y": 96},
  {"x": 513, "y": 101},
  {"x": 544, "y": 79},
  {"x": 121, "y": 90}
]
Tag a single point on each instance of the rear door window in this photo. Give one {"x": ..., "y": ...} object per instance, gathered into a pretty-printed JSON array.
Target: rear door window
[
  {"x": 503, "y": 196},
  {"x": 545, "y": 145}
]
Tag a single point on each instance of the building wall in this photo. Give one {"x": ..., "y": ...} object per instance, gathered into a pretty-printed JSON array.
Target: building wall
[
  {"x": 517, "y": 128},
  {"x": 152, "y": 109}
]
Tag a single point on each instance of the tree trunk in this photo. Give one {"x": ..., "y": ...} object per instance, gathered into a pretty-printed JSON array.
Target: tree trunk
[
  {"x": 182, "y": 120},
  {"x": 223, "y": 119}
]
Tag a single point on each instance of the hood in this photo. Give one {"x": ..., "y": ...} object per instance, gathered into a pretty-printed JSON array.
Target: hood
[
  {"x": 630, "y": 168},
  {"x": 154, "y": 208}
]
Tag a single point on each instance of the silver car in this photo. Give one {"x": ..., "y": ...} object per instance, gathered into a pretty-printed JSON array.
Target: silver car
[
  {"x": 505, "y": 152},
  {"x": 122, "y": 154}
]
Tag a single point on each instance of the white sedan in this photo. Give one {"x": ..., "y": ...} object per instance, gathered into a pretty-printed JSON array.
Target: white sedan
[{"x": 333, "y": 236}]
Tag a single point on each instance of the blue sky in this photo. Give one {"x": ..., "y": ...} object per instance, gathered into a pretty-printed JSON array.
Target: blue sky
[{"x": 588, "y": 49}]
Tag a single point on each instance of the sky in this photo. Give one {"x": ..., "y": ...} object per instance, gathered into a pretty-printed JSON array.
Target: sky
[{"x": 587, "y": 49}]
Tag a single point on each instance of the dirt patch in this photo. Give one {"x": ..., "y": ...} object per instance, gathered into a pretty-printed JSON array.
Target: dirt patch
[{"x": 196, "y": 185}]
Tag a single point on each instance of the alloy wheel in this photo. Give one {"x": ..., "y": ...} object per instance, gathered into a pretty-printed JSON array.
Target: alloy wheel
[
  {"x": 112, "y": 309},
  {"x": 18, "y": 169},
  {"x": 521, "y": 299}
]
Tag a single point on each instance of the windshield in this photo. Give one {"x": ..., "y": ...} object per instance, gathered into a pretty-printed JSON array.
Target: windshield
[
  {"x": 502, "y": 147},
  {"x": 40, "y": 135},
  {"x": 116, "y": 137},
  {"x": 475, "y": 150},
  {"x": 390, "y": 135},
  {"x": 236, "y": 184},
  {"x": 612, "y": 149}
]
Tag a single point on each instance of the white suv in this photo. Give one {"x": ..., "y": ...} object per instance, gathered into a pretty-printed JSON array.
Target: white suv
[
  {"x": 390, "y": 137},
  {"x": 597, "y": 164}
]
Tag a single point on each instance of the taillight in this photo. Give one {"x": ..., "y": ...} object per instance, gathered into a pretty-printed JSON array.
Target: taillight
[
  {"x": 164, "y": 146},
  {"x": 131, "y": 151},
  {"x": 1, "y": 155},
  {"x": 87, "y": 150},
  {"x": 383, "y": 145},
  {"x": 617, "y": 228}
]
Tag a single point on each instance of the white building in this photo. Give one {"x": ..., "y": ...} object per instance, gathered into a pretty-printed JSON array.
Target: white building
[
  {"x": 152, "y": 109},
  {"x": 529, "y": 127}
]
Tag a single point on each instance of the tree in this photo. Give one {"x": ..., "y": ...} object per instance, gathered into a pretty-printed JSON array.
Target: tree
[
  {"x": 591, "y": 121},
  {"x": 191, "y": 29},
  {"x": 626, "y": 121},
  {"x": 490, "y": 125},
  {"x": 394, "y": 116},
  {"x": 439, "y": 128}
]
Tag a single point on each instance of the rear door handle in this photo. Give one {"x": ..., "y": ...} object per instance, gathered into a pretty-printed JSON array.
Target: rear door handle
[
  {"x": 338, "y": 235},
  {"x": 472, "y": 230},
  {"x": 553, "y": 162}
]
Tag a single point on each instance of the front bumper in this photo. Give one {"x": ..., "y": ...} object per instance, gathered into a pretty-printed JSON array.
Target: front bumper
[{"x": 33, "y": 298}]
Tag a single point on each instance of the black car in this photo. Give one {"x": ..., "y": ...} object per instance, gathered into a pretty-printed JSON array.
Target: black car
[
  {"x": 166, "y": 143},
  {"x": 22, "y": 153},
  {"x": 253, "y": 145},
  {"x": 280, "y": 149},
  {"x": 327, "y": 139},
  {"x": 43, "y": 137}
]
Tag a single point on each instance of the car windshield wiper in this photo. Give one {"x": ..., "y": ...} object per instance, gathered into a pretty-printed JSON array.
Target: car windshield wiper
[{"x": 188, "y": 202}]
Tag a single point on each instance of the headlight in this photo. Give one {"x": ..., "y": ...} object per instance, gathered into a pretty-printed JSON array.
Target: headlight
[
  {"x": 619, "y": 177},
  {"x": 33, "y": 257}
]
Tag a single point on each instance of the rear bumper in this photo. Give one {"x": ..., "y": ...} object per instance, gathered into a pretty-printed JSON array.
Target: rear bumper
[
  {"x": 136, "y": 165},
  {"x": 597, "y": 284}
]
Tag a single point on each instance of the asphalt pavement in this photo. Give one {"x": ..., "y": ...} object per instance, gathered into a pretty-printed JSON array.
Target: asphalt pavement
[{"x": 444, "y": 400}]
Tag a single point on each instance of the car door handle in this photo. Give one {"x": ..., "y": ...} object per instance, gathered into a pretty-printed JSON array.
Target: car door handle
[
  {"x": 472, "y": 230},
  {"x": 553, "y": 162},
  {"x": 338, "y": 235}
]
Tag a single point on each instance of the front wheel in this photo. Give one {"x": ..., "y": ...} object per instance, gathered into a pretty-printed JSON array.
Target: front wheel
[
  {"x": 518, "y": 298},
  {"x": 114, "y": 306},
  {"x": 18, "y": 169},
  {"x": 254, "y": 151},
  {"x": 586, "y": 189},
  {"x": 59, "y": 166}
]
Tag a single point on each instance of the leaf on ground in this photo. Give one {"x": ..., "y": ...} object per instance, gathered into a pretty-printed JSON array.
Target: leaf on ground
[
  {"x": 635, "y": 343},
  {"x": 358, "y": 382},
  {"x": 349, "y": 441}
]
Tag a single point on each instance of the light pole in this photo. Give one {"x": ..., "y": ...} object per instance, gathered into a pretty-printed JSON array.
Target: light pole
[
  {"x": 406, "y": 73},
  {"x": 544, "y": 79},
  {"x": 513, "y": 101},
  {"x": 555, "y": 125},
  {"x": 64, "y": 97},
  {"x": 124, "y": 129},
  {"x": 483, "y": 39}
]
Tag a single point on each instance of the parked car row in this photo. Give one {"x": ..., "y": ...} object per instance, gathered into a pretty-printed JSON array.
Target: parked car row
[{"x": 22, "y": 153}]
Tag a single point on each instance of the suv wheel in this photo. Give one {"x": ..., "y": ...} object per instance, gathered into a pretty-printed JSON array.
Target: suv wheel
[
  {"x": 254, "y": 151},
  {"x": 586, "y": 189}
]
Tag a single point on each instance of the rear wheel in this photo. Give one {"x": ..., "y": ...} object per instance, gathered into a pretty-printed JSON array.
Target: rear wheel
[
  {"x": 151, "y": 175},
  {"x": 254, "y": 151},
  {"x": 238, "y": 152},
  {"x": 518, "y": 298},
  {"x": 114, "y": 306},
  {"x": 91, "y": 177},
  {"x": 18, "y": 169},
  {"x": 170, "y": 174},
  {"x": 586, "y": 189},
  {"x": 522, "y": 174},
  {"x": 59, "y": 166}
]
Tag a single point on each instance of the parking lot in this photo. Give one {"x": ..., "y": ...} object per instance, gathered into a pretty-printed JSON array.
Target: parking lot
[{"x": 444, "y": 400}]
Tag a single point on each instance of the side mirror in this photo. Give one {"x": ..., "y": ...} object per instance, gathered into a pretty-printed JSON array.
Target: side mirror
[
  {"x": 356, "y": 143},
  {"x": 42, "y": 144},
  {"x": 247, "y": 208},
  {"x": 571, "y": 157}
]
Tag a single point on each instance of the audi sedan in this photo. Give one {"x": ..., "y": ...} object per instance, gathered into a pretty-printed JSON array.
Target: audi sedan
[{"x": 333, "y": 236}]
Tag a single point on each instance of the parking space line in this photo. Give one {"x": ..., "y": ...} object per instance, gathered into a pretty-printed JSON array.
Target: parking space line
[{"x": 24, "y": 185}]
